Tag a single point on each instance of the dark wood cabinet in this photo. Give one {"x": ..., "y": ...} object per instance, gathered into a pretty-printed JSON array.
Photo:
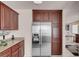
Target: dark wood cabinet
[
  {"x": 45, "y": 16},
  {"x": 6, "y": 53},
  {"x": 77, "y": 38},
  {"x": 55, "y": 17},
  {"x": 16, "y": 50},
  {"x": 14, "y": 21},
  {"x": 21, "y": 49},
  {"x": 37, "y": 16},
  {"x": 8, "y": 18},
  {"x": 15, "y": 54},
  {"x": 56, "y": 21},
  {"x": 5, "y": 20},
  {"x": 40, "y": 16}
]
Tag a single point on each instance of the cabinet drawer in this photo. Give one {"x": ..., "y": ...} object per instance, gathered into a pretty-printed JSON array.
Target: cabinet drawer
[
  {"x": 15, "y": 47},
  {"x": 6, "y": 53}
]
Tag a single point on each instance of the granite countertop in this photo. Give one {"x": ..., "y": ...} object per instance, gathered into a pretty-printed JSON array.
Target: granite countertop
[
  {"x": 11, "y": 43},
  {"x": 73, "y": 48}
]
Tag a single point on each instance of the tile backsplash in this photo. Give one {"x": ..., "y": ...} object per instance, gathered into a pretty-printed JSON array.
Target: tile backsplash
[{"x": 3, "y": 32}]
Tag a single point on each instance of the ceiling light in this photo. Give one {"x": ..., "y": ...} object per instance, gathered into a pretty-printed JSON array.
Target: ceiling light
[{"x": 38, "y": 2}]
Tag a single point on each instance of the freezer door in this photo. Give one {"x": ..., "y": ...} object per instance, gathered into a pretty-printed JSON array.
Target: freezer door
[
  {"x": 36, "y": 39},
  {"x": 46, "y": 39}
]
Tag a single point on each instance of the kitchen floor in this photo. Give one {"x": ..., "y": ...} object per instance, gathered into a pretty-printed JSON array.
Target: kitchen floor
[{"x": 56, "y": 56}]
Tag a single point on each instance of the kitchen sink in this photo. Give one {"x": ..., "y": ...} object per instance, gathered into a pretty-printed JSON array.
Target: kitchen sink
[{"x": 3, "y": 42}]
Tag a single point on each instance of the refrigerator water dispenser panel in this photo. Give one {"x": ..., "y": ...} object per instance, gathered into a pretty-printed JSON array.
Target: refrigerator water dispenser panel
[{"x": 35, "y": 38}]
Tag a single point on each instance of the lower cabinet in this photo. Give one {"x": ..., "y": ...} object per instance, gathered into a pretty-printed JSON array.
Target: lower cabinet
[
  {"x": 21, "y": 51},
  {"x": 15, "y": 54},
  {"x": 6, "y": 53},
  {"x": 77, "y": 38},
  {"x": 16, "y": 50},
  {"x": 56, "y": 48}
]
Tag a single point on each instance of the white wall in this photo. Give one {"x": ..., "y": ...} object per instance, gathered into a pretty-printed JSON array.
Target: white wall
[{"x": 25, "y": 22}]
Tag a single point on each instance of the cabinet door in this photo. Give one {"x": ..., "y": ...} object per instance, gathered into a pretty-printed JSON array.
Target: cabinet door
[
  {"x": 9, "y": 18},
  {"x": 15, "y": 53},
  {"x": 56, "y": 33},
  {"x": 5, "y": 17},
  {"x": 56, "y": 48},
  {"x": 21, "y": 51},
  {"x": 14, "y": 20},
  {"x": 45, "y": 16},
  {"x": 40, "y": 16},
  {"x": 77, "y": 38},
  {"x": 37, "y": 15},
  {"x": 6, "y": 53}
]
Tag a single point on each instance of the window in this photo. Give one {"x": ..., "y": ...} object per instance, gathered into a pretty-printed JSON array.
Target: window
[{"x": 75, "y": 29}]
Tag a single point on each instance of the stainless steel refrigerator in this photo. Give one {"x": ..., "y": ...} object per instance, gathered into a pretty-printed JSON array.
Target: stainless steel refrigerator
[{"x": 41, "y": 39}]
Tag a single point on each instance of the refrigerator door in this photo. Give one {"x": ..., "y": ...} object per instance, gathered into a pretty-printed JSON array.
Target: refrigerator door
[
  {"x": 36, "y": 39},
  {"x": 41, "y": 39},
  {"x": 46, "y": 39}
]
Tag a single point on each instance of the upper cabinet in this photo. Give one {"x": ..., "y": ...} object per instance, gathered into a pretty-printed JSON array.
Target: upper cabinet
[
  {"x": 8, "y": 18},
  {"x": 14, "y": 20},
  {"x": 37, "y": 16},
  {"x": 40, "y": 15}
]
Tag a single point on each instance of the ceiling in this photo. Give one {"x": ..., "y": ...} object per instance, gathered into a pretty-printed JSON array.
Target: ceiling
[{"x": 44, "y": 5}]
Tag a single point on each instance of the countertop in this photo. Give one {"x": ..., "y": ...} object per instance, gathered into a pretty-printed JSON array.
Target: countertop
[
  {"x": 72, "y": 43},
  {"x": 73, "y": 48},
  {"x": 11, "y": 43}
]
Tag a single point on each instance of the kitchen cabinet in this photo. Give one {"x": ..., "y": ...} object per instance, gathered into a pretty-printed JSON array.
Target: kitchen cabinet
[
  {"x": 5, "y": 20},
  {"x": 55, "y": 17},
  {"x": 14, "y": 21},
  {"x": 15, "y": 53},
  {"x": 6, "y": 53},
  {"x": 21, "y": 49},
  {"x": 37, "y": 16},
  {"x": 40, "y": 15},
  {"x": 56, "y": 20},
  {"x": 45, "y": 16},
  {"x": 77, "y": 38},
  {"x": 9, "y": 18},
  {"x": 16, "y": 50}
]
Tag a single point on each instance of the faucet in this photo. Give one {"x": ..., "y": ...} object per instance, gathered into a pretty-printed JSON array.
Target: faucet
[{"x": 3, "y": 37}]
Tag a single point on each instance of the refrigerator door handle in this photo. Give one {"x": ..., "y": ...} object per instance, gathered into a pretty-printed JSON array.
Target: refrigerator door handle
[{"x": 41, "y": 39}]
